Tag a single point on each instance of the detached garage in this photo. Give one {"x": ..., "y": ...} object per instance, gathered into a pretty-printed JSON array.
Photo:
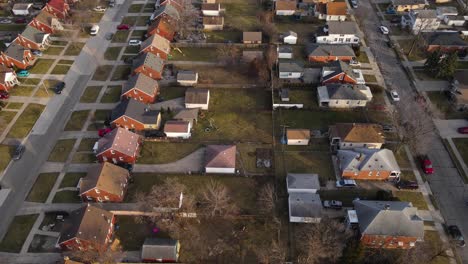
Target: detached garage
[
  {"x": 220, "y": 159},
  {"x": 22, "y": 9}
]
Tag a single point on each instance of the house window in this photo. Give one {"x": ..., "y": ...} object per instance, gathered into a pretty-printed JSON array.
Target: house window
[
  {"x": 141, "y": 98},
  {"x": 341, "y": 77},
  {"x": 135, "y": 91},
  {"x": 350, "y": 144},
  {"x": 348, "y": 39},
  {"x": 347, "y": 102},
  {"x": 99, "y": 199},
  {"x": 324, "y": 39},
  {"x": 377, "y": 174},
  {"x": 355, "y": 40},
  {"x": 106, "y": 197},
  {"x": 358, "y": 102},
  {"x": 341, "y": 39},
  {"x": 97, "y": 191},
  {"x": 89, "y": 198},
  {"x": 411, "y": 244},
  {"x": 112, "y": 151},
  {"x": 370, "y": 173},
  {"x": 400, "y": 243},
  {"x": 125, "y": 119},
  {"x": 133, "y": 126},
  {"x": 335, "y": 39},
  {"x": 121, "y": 158}
]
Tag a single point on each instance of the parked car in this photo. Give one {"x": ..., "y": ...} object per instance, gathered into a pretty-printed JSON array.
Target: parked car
[
  {"x": 109, "y": 36},
  {"x": 94, "y": 30},
  {"x": 384, "y": 30},
  {"x": 111, "y": 3},
  {"x": 19, "y": 152},
  {"x": 154, "y": 133},
  {"x": 5, "y": 21},
  {"x": 103, "y": 131},
  {"x": 99, "y": 9},
  {"x": 346, "y": 183},
  {"x": 456, "y": 235},
  {"x": 395, "y": 96},
  {"x": 333, "y": 204},
  {"x": 134, "y": 42},
  {"x": 59, "y": 87},
  {"x": 354, "y": 4},
  {"x": 37, "y": 53},
  {"x": 123, "y": 27},
  {"x": 354, "y": 62},
  {"x": 23, "y": 73},
  {"x": 21, "y": 20},
  {"x": 426, "y": 165},
  {"x": 463, "y": 130},
  {"x": 4, "y": 95},
  {"x": 407, "y": 185},
  {"x": 388, "y": 128}
]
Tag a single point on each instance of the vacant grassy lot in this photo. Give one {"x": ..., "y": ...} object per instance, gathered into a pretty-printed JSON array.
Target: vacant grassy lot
[
  {"x": 445, "y": 107},
  {"x": 306, "y": 162},
  {"x": 121, "y": 73},
  {"x": 242, "y": 15},
  {"x": 74, "y": 49},
  {"x": 221, "y": 75},
  {"x": 348, "y": 195},
  {"x": 41, "y": 188},
  {"x": 247, "y": 154},
  {"x": 42, "y": 66},
  {"x": 17, "y": 233},
  {"x": 102, "y": 72},
  {"x": 53, "y": 51},
  {"x": 131, "y": 233},
  {"x": 112, "y": 53},
  {"x": 26, "y": 121},
  {"x": 91, "y": 94},
  {"x": 157, "y": 152},
  {"x": 61, "y": 150},
  {"x": 112, "y": 94},
  {"x": 77, "y": 120},
  {"x": 224, "y": 36},
  {"x": 168, "y": 93},
  {"x": 120, "y": 36},
  {"x": 6, "y": 152},
  {"x": 195, "y": 54},
  {"x": 66, "y": 197},
  {"x": 416, "y": 54},
  {"x": 71, "y": 179},
  {"x": 61, "y": 69},
  {"x": 416, "y": 198}
]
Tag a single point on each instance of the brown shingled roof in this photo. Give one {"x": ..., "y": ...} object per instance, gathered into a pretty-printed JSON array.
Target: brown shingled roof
[
  {"x": 221, "y": 156},
  {"x": 285, "y": 5},
  {"x": 174, "y": 126},
  {"x": 120, "y": 140},
  {"x": 252, "y": 36},
  {"x": 105, "y": 176},
  {"x": 298, "y": 133},
  {"x": 352, "y": 132},
  {"x": 337, "y": 8}
]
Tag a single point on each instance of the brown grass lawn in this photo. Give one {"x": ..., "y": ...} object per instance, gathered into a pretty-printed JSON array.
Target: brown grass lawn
[
  {"x": 157, "y": 152},
  {"x": 221, "y": 75}
]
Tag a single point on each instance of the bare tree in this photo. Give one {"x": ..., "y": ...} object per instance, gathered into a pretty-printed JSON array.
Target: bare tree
[
  {"x": 258, "y": 68},
  {"x": 266, "y": 199},
  {"x": 188, "y": 16},
  {"x": 271, "y": 56},
  {"x": 217, "y": 200},
  {"x": 228, "y": 53},
  {"x": 423, "y": 24},
  {"x": 323, "y": 242},
  {"x": 271, "y": 253},
  {"x": 97, "y": 255}
]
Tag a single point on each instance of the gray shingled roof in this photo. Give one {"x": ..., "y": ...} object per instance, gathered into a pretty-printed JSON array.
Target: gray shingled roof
[
  {"x": 119, "y": 139},
  {"x": 159, "y": 248},
  {"x": 168, "y": 10},
  {"x": 187, "y": 114},
  {"x": 150, "y": 60},
  {"x": 305, "y": 205},
  {"x": 367, "y": 159},
  {"x": 344, "y": 91},
  {"x": 285, "y": 49},
  {"x": 290, "y": 67},
  {"x": 142, "y": 83},
  {"x": 302, "y": 181},
  {"x": 196, "y": 96},
  {"x": 186, "y": 76},
  {"x": 158, "y": 42},
  {"x": 429, "y": 13},
  {"x": 342, "y": 27},
  {"x": 444, "y": 39},
  {"x": 33, "y": 34},
  {"x": 330, "y": 50},
  {"x": 408, "y": 2},
  {"x": 389, "y": 218},
  {"x": 15, "y": 51},
  {"x": 135, "y": 110}
]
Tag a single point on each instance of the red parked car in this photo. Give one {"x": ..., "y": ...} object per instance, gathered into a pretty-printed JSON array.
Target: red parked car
[
  {"x": 463, "y": 130},
  {"x": 21, "y": 21},
  {"x": 426, "y": 165},
  {"x": 102, "y": 132},
  {"x": 123, "y": 27},
  {"x": 4, "y": 95}
]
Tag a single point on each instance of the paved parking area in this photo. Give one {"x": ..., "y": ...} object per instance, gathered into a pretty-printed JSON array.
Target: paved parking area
[{"x": 448, "y": 128}]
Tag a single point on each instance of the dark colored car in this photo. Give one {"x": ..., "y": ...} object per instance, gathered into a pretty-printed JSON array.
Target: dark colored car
[
  {"x": 463, "y": 130},
  {"x": 426, "y": 165},
  {"x": 19, "y": 152},
  {"x": 59, "y": 87},
  {"x": 4, "y": 95},
  {"x": 333, "y": 204},
  {"x": 456, "y": 235},
  {"x": 123, "y": 27},
  {"x": 21, "y": 21},
  {"x": 407, "y": 185},
  {"x": 154, "y": 133},
  {"x": 126, "y": 166}
]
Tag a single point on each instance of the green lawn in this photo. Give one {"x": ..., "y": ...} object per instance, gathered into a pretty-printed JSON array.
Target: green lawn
[
  {"x": 242, "y": 15},
  {"x": 22, "y": 90},
  {"x": 131, "y": 233},
  {"x": 363, "y": 57},
  {"x": 53, "y": 51},
  {"x": 41, "y": 66},
  {"x": 417, "y": 53},
  {"x": 66, "y": 197},
  {"x": 101, "y": 115},
  {"x": 17, "y": 233},
  {"x": 46, "y": 89},
  {"x": 59, "y": 43},
  {"x": 222, "y": 75},
  {"x": 67, "y": 62},
  {"x": 61, "y": 69},
  {"x": 132, "y": 50},
  {"x": 348, "y": 195},
  {"x": 11, "y": 105},
  {"x": 136, "y": 8},
  {"x": 42, "y": 187},
  {"x": 129, "y": 20},
  {"x": 370, "y": 78},
  {"x": 306, "y": 162},
  {"x": 26, "y": 121},
  {"x": 442, "y": 103},
  {"x": 71, "y": 179},
  {"x": 121, "y": 73},
  {"x": 416, "y": 198},
  {"x": 223, "y": 36},
  {"x": 120, "y": 36},
  {"x": 138, "y": 34},
  {"x": 462, "y": 147},
  {"x": 112, "y": 94},
  {"x": 112, "y": 53},
  {"x": 194, "y": 54},
  {"x": 142, "y": 20},
  {"x": 29, "y": 81},
  {"x": 247, "y": 159},
  {"x": 6, "y": 152},
  {"x": 168, "y": 93},
  {"x": 77, "y": 120},
  {"x": 12, "y": 27},
  {"x": 102, "y": 72},
  {"x": 61, "y": 150},
  {"x": 74, "y": 49},
  {"x": 86, "y": 157},
  {"x": 91, "y": 94},
  {"x": 87, "y": 144},
  {"x": 157, "y": 152},
  {"x": 7, "y": 116}
]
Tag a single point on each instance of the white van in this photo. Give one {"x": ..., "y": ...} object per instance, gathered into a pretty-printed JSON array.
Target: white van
[{"x": 94, "y": 30}]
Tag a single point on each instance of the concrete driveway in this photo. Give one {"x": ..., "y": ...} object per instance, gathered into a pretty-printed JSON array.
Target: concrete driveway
[{"x": 448, "y": 128}]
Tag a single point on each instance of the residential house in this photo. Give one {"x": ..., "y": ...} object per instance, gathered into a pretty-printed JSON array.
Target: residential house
[
  {"x": 250, "y": 55},
  {"x": 290, "y": 37},
  {"x": 118, "y": 146},
  {"x": 285, "y": 52},
  {"x": 332, "y": 11},
  {"x": 220, "y": 159},
  {"x": 168, "y": 11},
  {"x": 443, "y": 11},
  {"x": 327, "y": 53},
  {"x": 297, "y": 136},
  {"x": 104, "y": 182},
  {"x": 290, "y": 70},
  {"x": 22, "y": 9},
  {"x": 285, "y": 7},
  {"x": 302, "y": 183},
  {"x": 46, "y": 23},
  {"x": 187, "y": 78},
  {"x": 407, "y": 5},
  {"x": 134, "y": 115},
  {"x": 17, "y": 56},
  {"x": 149, "y": 65},
  {"x": 356, "y": 135},
  {"x": 89, "y": 227},
  {"x": 189, "y": 115},
  {"x": 287, "y": 101},
  {"x": 197, "y": 98},
  {"x": 213, "y": 23},
  {"x": 389, "y": 224},
  {"x": 211, "y": 9},
  {"x": 163, "y": 26},
  {"x": 251, "y": 37},
  {"x": 339, "y": 32},
  {"x": 157, "y": 45},
  {"x": 445, "y": 42},
  {"x": 421, "y": 21},
  {"x": 32, "y": 38},
  {"x": 178, "y": 129},
  {"x": 339, "y": 95},
  {"x": 368, "y": 164},
  {"x": 160, "y": 250},
  {"x": 58, "y": 8},
  {"x": 8, "y": 78},
  {"x": 340, "y": 72},
  {"x": 455, "y": 21},
  {"x": 459, "y": 90},
  {"x": 141, "y": 88}
]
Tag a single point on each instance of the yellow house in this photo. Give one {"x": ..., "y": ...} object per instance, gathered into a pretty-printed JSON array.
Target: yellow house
[{"x": 407, "y": 5}]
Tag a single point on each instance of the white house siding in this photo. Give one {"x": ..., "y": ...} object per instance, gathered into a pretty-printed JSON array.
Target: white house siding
[
  {"x": 338, "y": 39},
  {"x": 187, "y": 83},
  {"x": 344, "y": 103},
  {"x": 220, "y": 170},
  {"x": 347, "y": 145},
  {"x": 210, "y": 12},
  {"x": 295, "y": 219},
  {"x": 426, "y": 25},
  {"x": 290, "y": 40},
  {"x": 290, "y": 75},
  {"x": 298, "y": 142},
  {"x": 178, "y": 135},
  {"x": 201, "y": 106},
  {"x": 285, "y": 12},
  {"x": 213, "y": 27},
  {"x": 336, "y": 18},
  {"x": 285, "y": 55}
]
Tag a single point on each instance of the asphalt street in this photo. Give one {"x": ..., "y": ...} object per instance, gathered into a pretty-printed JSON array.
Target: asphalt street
[{"x": 446, "y": 183}]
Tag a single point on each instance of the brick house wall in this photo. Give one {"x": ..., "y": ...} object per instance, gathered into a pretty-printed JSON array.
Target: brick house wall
[
  {"x": 340, "y": 78},
  {"x": 97, "y": 195},
  {"x": 366, "y": 175},
  {"x": 138, "y": 95},
  {"x": 148, "y": 72},
  {"x": 8, "y": 61},
  {"x": 390, "y": 242},
  {"x": 325, "y": 59},
  {"x": 118, "y": 157},
  {"x": 155, "y": 51},
  {"x": 445, "y": 49},
  {"x": 83, "y": 245},
  {"x": 57, "y": 13},
  {"x": 29, "y": 44},
  {"x": 163, "y": 33},
  {"x": 128, "y": 123},
  {"x": 41, "y": 26}
]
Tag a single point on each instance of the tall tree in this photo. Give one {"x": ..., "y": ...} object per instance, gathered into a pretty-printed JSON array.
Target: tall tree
[
  {"x": 217, "y": 200},
  {"x": 229, "y": 53},
  {"x": 188, "y": 16}
]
